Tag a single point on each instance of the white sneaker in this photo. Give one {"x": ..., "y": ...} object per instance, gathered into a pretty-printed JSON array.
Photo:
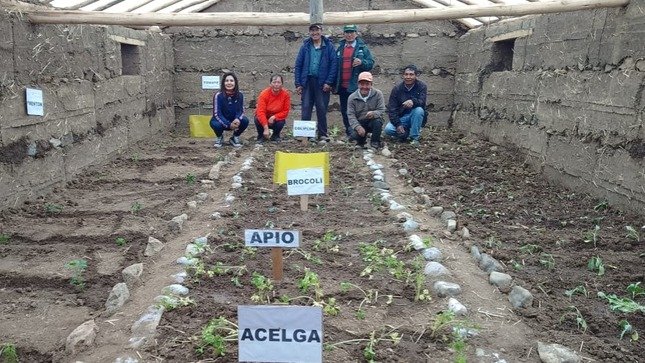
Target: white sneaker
[
  {"x": 219, "y": 141},
  {"x": 235, "y": 141}
]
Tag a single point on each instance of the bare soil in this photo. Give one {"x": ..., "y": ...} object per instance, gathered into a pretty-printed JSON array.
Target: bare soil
[{"x": 504, "y": 203}]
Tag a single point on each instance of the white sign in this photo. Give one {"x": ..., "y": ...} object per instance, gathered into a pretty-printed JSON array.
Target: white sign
[
  {"x": 210, "y": 82},
  {"x": 304, "y": 128},
  {"x": 271, "y": 238},
  {"x": 305, "y": 181},
  {"x": 270, "y": 333},
  {"x": 34, "y": 99}
]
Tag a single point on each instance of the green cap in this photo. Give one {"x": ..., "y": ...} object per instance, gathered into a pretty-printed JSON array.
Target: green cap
[{"x": 350, "y": 28}]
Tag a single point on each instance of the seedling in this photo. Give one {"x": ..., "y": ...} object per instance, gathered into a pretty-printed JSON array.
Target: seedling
[
  {"x": 442, "y": 320},
  {"x": 635, "y": 289},
  {"x": 215, "y": 335},
  {"x": 135, "y": 207},
  {"x": 633, "y": 234},
  {"x": 601, "y": 206},
  {"x": 529, "y": 249},
  {"x": 580, "y": 289},
  {"x": 334, "y": 131},
  {"x": 120, "y": 241},
  {"x": 52, "y": 208},
  {"x": 171, "y": 303},
  {"x": 330, "y": 307},
  {"x": 516, "y": 265},
  {"x": 8, "y": 353},
  {"x": 310, "y": 281},
  {"x": 78, "y": 267},
  {"x": 592, "y": 235},
  {"x": 596, "y": 265},
  {"x": 4, "y": 239},
  {"x": 624, "y": 305},
  {"x": 627, "y": 328},
  {"x": 428, "y": 242},
  {"x": 376, "y": 200},
  {"x": 264, "y": 288},
  {"x": 459, "y": 346},
  {"x": 190, "y": 178},
  {"x": 307, "y": 256},
  {"x": 369, "y": 353},
  {"x": 580, "y": 320},
  {"x": 492, "y": 242},
  {"x": 547, "y": 260}
]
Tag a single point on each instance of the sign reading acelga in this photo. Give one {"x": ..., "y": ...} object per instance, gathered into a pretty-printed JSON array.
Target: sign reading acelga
[{"x": 270, "y": 333}]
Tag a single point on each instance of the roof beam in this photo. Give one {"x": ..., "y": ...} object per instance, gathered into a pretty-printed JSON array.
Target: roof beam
[{"x": 332, "y": 18}]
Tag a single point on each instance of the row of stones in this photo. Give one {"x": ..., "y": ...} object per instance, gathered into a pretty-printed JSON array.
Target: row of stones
[{"x": 518, "y": 297}]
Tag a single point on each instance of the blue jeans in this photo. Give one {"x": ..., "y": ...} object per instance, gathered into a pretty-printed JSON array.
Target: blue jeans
[
  {"x": 276, "y": 127},
  {"x": 313, "y": 95},
  {"x": 219, "y": 128},
  {"x": 411, "y": 122},
  {"x": 343, "y": 95}
]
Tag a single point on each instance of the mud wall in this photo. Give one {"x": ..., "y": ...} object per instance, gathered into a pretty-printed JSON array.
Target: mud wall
[
  {"x": 99, "y": 97},
  {"x": 566, "y": 89},
  {"x": 255, "y": 53}
]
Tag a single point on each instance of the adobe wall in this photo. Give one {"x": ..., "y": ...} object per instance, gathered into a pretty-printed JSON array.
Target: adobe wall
[
  {"x": 572, "y": 100},
  {"x": 91, "y": 110},
  {"x": 255, "y": 53}
]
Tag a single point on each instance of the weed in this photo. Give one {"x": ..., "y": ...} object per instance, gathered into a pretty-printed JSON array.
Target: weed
[
  {"x": 215, "y": 335},
  {"x": 529, "y": 249},
  {"x": 120, "y": 241},
  {"x": 627, "y": 328},
  {"x": 591, "y": 236},
  {"x": 601, "y": 206},
  {"x": 264, "y": 287},
  {"x": 459, "y": 346},
  {"x": 516, "y": 265},
  {"x": 492, "y": 242},
  {"x": 334, "y": 131},
  {"x": 8, "y": 353},
  {"x": 580, "y": 289},
  {"x": 135, "y": 158},
  {"x": 135, "y": 207},
  {"x": 635, "y": 289},
  {"x": 191, "y": 178},
  {"x": 78, "y": 267},
  {"x": 376, "y": 200},
  {"x": 52, "y": 208},
  {"x": 596, "y": 265},
  {"x": 547, "y": 260},
  {"x": 580, "y": 320},
  {"x": 4, "y": 239},
  {"x": 269, "y": 224},
  {"x": 428, "y": 242},
  {"x": 624, "y": 305},
  {"x": 632, "y": 233}
]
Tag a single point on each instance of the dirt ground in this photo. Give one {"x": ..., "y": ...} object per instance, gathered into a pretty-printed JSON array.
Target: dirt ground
[{"x": 535, "y": 229}]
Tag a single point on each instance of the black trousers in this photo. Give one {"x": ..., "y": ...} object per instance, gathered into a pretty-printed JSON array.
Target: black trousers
[{"x": 373, "y": 126}]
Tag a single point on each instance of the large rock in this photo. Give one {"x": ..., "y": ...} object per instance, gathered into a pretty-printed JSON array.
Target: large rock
[
  {"x": 118, "y": 296},
  {"x": 501, "y": 280},
  {"x": 177, "y": 223},
  {"x": 432, "y": 254},
  {"x": 556, "y": 353},
  {"x": 214, "y": 173},
  {"x": 435, "y": 269},
  {"x": 132, "y": 274},
  {"x": 154, "y": 246},
  {"x": 82, "y": 336},
  {"x": 444, "y": 288},
  {"x": 144, "y": 329},
  {"x": 489, "y": 264},
  {"x": 456, "y": 307},
  {"x": 520, "y": 297}
]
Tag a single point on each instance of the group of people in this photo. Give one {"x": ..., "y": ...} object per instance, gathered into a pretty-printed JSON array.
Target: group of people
[{"x": 321, "y": 69}]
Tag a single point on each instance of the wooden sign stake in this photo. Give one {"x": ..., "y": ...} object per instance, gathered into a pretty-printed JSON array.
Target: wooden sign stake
[
  {"x": 304, "y": 202},
  {"x": 276, "y": 258}
]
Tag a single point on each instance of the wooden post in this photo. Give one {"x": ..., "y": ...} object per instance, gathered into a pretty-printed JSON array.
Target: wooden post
[
  {"x": 315, "y": 11},
  {"x": 304, "y": 202},
  {"x": 276, "y": 258}
]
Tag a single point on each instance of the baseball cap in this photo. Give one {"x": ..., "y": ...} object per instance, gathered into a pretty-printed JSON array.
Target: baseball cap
[
  {"x": 315, "y": 26},
  {"x": 365, "y": 76},
  {"x": 350, "y": 28}
]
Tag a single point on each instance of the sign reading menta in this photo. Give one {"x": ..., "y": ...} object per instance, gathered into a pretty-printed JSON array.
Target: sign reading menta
[
  {"x": 210, "y": 82},
  {"x": 270, "y": 333},
  {"x": 34, "y": 99},
  {"x": 271, "y": 238},
  {"x": 305, "y": 181},
  {"x": 304, "y": 128}
]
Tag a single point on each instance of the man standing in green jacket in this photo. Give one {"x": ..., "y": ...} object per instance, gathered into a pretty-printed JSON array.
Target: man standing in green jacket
[{"x": 353, "y": 58}]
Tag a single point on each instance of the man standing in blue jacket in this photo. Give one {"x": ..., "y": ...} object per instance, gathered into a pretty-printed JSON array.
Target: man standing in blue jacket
[
  {"x": 315, "y": 74},
  {"x": 353, "y": 58},
  {"x": 406, "y": 107}
]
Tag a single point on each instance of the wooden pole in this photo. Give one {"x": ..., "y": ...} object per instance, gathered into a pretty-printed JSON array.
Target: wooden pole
[
  {"x": 304, "y": 202},
  {"x": 276, "y": 258},
  {"x": 332, "y": 18},
  {"x": 315, "y": 11}
]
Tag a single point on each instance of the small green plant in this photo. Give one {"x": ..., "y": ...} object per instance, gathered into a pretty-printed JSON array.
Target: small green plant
[
  {"x": 575, "y": 313},
  {"x": 191, "y": 178},
  {"x": 596, "y": 265},
  {"x": 624, "y": 305},
  {"x": 330, "y": 307},
  {"x": 78, "y": 268},
  {"x": 627, "y": 328},
  {"x": 632, "y": 233},
  {"x": 376, "y": 200},
  {"x": 264, "y": 287},
  {"x": 8, "y": 353},
  {"x": 441, "y": 321},
  {"x": 601, "y": 206},
  {"x": 547, "y": 260},
  {"x": 492, "y": 242},
  {"x": 169, "y": 303},
  {"x": 215, "y": 335},
  {"x": 310, "y": 281},
  {"x": 635, "y": 289},
  {"x": 52, "y": 208},
  {"x": 580, "y": 289},
  {"x": 529, "y": 249},
  {"x": 4, "y": 239},
  {"x": 135, "y": 207},
  {"x": 516, "y": 265},
  {"x": 369, "y": 352},
  {"x": 591, "y": 236},
  {"x": 428, "y": 242},
  {"x": 120, "y": 241},
  {"x": 459, "y": 346},
  {"x": 334, "y": 131}
]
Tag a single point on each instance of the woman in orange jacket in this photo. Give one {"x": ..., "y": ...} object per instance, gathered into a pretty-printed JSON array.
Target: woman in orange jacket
[{"x": 272, "y": 110}]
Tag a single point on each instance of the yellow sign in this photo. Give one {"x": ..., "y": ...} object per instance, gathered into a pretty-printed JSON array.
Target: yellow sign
[{"x": 289, "y": 161}]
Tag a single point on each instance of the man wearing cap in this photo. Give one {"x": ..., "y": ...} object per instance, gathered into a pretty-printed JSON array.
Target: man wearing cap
[
  {"x": 365, "y": 111},
  {"x": 315, "y": 74},
  {"x": 406, "y": 107},
  {"x": 353, "y": 58}
]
